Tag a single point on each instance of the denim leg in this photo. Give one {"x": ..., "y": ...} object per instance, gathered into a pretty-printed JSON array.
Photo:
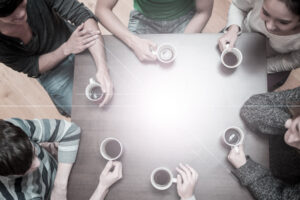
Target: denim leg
[
  {"x": 59, "y": 84},
  {"x": 140, "y": 24}
]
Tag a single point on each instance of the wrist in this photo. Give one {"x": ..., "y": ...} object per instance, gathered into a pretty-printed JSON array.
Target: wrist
[
  {"x": 102, "y": 188},
  {"x": 65, "y": 49},
  {"x": 192, "y": 197},
  {"x": 234, "y": 29},
  {"x": 131, "y": 40}
]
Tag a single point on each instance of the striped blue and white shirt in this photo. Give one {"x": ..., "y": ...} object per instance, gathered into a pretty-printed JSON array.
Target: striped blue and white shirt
[{"x": 38, "y": 184}]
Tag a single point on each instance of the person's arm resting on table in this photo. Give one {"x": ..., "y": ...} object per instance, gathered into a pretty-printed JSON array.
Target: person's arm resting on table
[
  {"x": 141, "y": 47},
  {"x": 67, "y": 135}
]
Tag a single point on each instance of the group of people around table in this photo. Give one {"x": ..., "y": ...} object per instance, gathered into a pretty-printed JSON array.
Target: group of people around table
[{"x": 40, "y": 39}]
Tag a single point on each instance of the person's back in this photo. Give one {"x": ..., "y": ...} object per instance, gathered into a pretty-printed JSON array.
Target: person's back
[{"x": 27, "y": 170}]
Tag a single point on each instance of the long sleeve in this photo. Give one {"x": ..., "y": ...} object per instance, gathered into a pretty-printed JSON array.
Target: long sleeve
[
  {"x": 71, "y": 10},
  {"x": 263, "y": 185},
  {"x": 50, "y": 130},
  {"x": 267, "y": 113},
  {"x": 237, "y": 12},
  {"x": 284, "y": 62}
]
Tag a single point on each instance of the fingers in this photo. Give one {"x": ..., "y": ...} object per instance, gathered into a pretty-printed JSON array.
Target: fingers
[
  {"x": 118, "y": 169},
  {"x": 79, "y": 28},
  {"x": 107, "y": 167},
  {"x": 187, "y": 171},
  {"x": 222, "y": 43},
  {"x": 288, "y": 123},
  {"x": 194, "y": 173},
  {"x": 179, "y": 182},
  {"x": 182, "y": 174},
  {"x": 295, "y": 125}
]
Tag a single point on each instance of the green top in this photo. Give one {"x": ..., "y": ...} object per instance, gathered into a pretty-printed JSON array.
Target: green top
[{"x": 164, "y": 9}]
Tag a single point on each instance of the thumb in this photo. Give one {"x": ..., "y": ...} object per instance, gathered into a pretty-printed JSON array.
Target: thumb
[
  {"x": 80, "y": 27},
  {"x": 107, "y": 167},
  {"x": 152, "y": 45}
]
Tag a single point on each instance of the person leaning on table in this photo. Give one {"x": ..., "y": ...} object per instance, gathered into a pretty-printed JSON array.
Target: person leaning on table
[
  {"x": 40, "y": 38},
  {"x": 278, "y": 20},
  {"x": 153, "y": 17},
  {"x": 186, "y": 180},
  {"x": 27, "y": 170},
  {"x": 271, "y": 114}
]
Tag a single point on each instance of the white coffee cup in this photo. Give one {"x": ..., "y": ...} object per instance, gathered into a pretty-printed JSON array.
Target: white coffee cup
[
  {"x": 165, "y": 53},
  {"x": 93, "y": 91},
  {"x": 231, "y": 58},
  {"x": 165, "y": 182},
  {"x": 233, "y": 136},
  {"x": 111, "y": 148}
]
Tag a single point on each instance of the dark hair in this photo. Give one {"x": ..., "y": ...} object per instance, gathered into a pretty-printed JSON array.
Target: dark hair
[
  {"x": 16, "y": 151},
  {"x": 7, "y": 7},
  {"x": 293, "y": 6}
]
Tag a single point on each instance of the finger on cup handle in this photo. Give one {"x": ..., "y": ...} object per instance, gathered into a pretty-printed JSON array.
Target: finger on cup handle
[
  {"x": 288, "y": 123},
  {"x": 236, "y": 149}
]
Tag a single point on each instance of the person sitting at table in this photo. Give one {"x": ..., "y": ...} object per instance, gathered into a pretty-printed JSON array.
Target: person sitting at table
[
  {"x": 27, "y": 170},
  {"x": 153, "y": 17},
  {"x": 186, "y": 180},
  {"x": 261, "y": 115},
  {"x": 278, "y": 20},
  {"x": 38, "y": 39}
]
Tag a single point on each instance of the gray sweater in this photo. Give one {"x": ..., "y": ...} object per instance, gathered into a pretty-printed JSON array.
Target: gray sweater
[{"x": 266, "y": 114}]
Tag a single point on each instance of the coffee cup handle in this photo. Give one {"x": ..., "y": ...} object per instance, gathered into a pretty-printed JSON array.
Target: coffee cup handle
[
  {"x": 92, "y": 81},
  {"x": 226, "y": 45},
  {"x": 236, "y": 148},
  {"x": 174, "y": 180}
]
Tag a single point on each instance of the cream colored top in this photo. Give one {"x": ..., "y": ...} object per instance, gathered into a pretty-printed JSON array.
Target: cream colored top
[{"x": 283, "y": 52}]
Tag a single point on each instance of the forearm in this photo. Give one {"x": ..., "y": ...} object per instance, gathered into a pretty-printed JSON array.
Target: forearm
[
  {"x": 50, "y": 60},
  {"x": 99, "y": 193},
  {"x": 97, "y": 50},
  {"x": 198, "y": 22},
  {"x": 262, "y": 184},
  {"x": 114, "y": 25},
  {"x": 235, "y": 16},
  {"x": 62, "y": 175}
]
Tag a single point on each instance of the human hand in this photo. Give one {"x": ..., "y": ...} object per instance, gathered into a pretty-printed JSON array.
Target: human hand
[
  {"x": 108, "y": 177},
  {"x": 58, "y": 193},
  {"x": 186, "y": 181},
  {"x": 292, "y": 135},
  {"x": 237, "y": 158},
  {"x": 229, "y": 38},
  {"x": 80, "y": 40},
  {"x": 143, "y": 48},
  {"x": 105, "y": 81}
]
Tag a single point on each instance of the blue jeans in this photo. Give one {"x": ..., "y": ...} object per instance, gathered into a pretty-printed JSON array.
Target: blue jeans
[
  {"x": 140, "y": 24},
  {"x": 58, "y": 82}
]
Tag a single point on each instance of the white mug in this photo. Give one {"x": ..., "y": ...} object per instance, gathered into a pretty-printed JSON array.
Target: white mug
[
  {"x": 167, "y": 184},
  {"x": 237, "y": 55},
  {"x": 165, "y": 53},
  {"x": 88, "y": 90},
  {"x": 234, "y": 145},
  {"x": 105, "y": 147}
]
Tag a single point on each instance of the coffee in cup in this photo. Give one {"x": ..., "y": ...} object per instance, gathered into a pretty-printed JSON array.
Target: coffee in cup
[
  {"x": 111, "y": 148},
  {"x": 233, "y": 137},
  {"x": 165, "y": 53},
  {"x": 231, "y": 58},
  {"x": 162, "y": 178},
  {"x": 94, "y": 91}
]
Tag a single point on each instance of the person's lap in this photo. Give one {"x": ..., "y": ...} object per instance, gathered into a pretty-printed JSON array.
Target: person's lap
[
  {"x": 140, "y": 24},
  {"x": 58, "y": 82}
]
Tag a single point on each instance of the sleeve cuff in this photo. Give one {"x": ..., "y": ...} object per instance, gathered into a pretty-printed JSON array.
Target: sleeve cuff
[{"x": 250, "y": 172}]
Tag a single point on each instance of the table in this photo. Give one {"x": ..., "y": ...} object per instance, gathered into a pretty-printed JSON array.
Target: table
[{"x": 167, "y": 114}]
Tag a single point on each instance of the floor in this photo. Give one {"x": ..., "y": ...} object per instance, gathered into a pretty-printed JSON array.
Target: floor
[{"x": 23, "y": 97}]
